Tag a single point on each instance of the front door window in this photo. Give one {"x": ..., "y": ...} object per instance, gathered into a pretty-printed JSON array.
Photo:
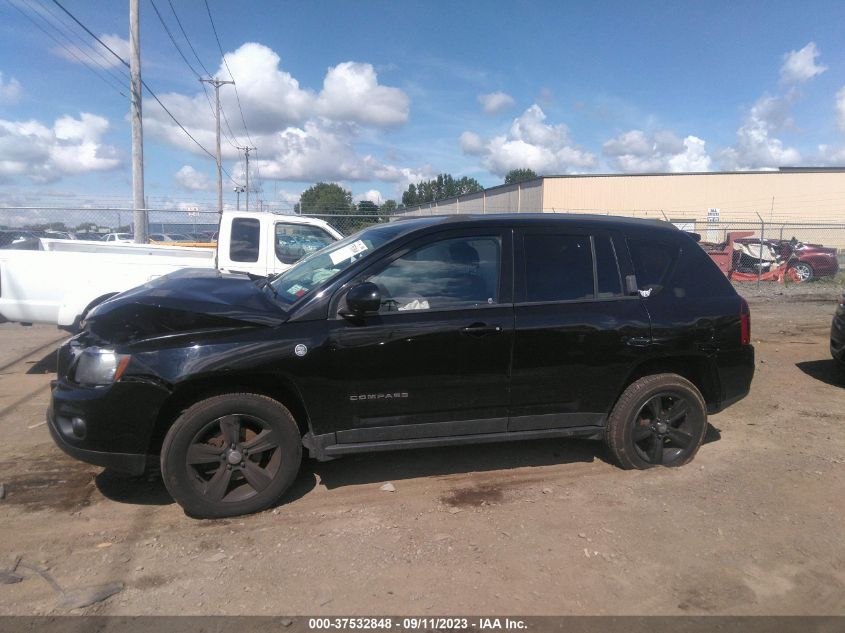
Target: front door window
[{"x": 444, "y": 275}]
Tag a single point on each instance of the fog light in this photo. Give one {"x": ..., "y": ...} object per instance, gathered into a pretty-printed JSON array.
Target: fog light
[{"x": 77, "y": 425}]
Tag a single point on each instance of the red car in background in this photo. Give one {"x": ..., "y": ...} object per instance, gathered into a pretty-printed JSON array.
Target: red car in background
[{"x": 807, "y": 260}]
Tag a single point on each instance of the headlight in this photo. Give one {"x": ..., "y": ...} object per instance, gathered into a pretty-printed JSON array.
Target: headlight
[{"x": 97, "y": 367}]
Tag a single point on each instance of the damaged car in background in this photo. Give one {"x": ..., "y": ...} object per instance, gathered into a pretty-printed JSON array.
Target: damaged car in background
[{"x": 743, "y": 257}]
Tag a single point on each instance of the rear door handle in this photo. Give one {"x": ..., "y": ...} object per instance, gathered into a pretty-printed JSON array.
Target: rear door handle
[
  {"x": 481, "y": 329},
  {"x": 638, "y": 341}
]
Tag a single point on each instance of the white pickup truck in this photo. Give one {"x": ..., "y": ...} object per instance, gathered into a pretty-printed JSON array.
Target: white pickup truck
[{"x": 63, "y": 279}]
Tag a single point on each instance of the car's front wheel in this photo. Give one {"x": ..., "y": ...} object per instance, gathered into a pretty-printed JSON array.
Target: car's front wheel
[
  {"x": 660, "y": 420},
  {"x": 231, "y": 454},
  {"x": 803, "y": 271}
]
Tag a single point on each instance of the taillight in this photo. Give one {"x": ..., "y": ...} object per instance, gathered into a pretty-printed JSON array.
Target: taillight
[{"x": 744, "y": 323}]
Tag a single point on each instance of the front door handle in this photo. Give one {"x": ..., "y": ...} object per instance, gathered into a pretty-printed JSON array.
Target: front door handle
[
  {"x": 481, "y": 329},
  {"x": 638, "y": 341}
]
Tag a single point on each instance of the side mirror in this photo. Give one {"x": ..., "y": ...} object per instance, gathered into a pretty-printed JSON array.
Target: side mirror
[{"x": 361, "y": 299}]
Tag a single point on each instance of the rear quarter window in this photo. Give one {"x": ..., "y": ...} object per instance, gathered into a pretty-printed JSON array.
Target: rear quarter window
[
  {"x": 681, "y": 269},
  {"x": 698, "y": 276},
  {"x": 652, "y": 262}
]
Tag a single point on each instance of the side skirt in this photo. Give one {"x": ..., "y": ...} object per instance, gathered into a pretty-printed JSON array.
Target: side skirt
[{"x": 325, "y": 448}]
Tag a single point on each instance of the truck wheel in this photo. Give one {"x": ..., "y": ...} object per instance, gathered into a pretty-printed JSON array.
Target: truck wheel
[
  {"x": 659, "y": 420},
  {"x": 804, "y": 271},
  {"x": 231, "y": 454}
]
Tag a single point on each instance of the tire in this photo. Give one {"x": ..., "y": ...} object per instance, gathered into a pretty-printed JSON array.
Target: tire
[
  {"x": 231, "y": 454},
  {"x": 658, "y": 420},
  {"x": 804, "y": 271}
]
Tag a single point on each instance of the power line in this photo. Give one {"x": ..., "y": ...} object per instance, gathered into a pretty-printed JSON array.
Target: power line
[
  {"x": 220, "y": 47},
  {"x": 70, "y": 51},
  {"x": 144, "y": 83},
  {"x": 229, "y": 139},
  {"x": 173, "y": 40},
  {"x": 185, "y": 59},
  {"x": 187, "y": 39},
  {"x": 102, "y": 63}
]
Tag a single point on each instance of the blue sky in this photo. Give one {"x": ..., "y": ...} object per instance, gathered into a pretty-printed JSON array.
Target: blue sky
[{"x": 375, "y": 95}]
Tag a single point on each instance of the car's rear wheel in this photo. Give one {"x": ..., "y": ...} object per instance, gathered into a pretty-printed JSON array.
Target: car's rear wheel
[
  {"x": 803, "y": 271},
  {"x": 659, "y": 420},
  {"x": 231, "y": 454}
]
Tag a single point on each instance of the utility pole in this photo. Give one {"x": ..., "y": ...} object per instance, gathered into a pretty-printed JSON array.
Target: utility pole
[
  {"x": 139, "y": 214},
  {"x": 217, "y": 83},
  {"x": 246, "y": 151}
]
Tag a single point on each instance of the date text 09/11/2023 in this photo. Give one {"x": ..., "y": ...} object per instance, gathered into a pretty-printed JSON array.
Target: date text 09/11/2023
[{"x": 413, "y": 623}]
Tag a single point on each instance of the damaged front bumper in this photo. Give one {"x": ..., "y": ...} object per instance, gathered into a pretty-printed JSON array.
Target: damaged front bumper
[{"x": 106, "y": 426}]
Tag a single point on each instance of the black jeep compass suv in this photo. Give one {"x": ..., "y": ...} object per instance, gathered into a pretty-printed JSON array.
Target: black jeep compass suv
[{"x": 416, "y": 333}]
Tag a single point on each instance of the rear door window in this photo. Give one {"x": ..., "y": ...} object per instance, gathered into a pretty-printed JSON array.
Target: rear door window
[{"x": 558, "y": 268}]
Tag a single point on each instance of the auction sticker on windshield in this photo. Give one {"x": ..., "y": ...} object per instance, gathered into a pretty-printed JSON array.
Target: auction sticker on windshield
[{"x": 348, "y": 252}]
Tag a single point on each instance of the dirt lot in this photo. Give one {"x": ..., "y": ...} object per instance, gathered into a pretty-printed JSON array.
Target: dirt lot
[{"x": 756, "y": 524}]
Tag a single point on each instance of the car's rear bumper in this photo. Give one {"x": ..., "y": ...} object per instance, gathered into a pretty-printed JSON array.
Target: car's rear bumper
[{"x": 736, "y": 371}]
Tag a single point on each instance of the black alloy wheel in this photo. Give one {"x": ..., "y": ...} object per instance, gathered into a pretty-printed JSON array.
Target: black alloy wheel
[
  {"x": 659, "y": 420},
  {"x": 664, "y": 431},
  {"x": 231, "y": 454},
  {"x": 233, "y": 458}
]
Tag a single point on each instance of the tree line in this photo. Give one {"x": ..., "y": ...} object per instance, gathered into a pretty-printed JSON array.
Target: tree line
[{"x": 325, "y": 198}]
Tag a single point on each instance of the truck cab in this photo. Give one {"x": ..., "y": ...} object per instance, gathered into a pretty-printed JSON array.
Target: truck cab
[{"x": 265, "y": 244}]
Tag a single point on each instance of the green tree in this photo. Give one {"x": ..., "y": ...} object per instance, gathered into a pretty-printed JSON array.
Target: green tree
[
  {"x": 440, "y": 188},
  {"x": 519, "y": 175},
  {"x": 387, "y": 208},
  {"x": 326, "y": 198},
  {"x": 367, "y": 207}
]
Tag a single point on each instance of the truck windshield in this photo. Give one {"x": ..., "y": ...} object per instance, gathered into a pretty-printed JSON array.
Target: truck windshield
[{"x": 322, "y": 266}]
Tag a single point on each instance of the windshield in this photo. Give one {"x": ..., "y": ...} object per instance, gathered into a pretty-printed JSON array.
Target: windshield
[{"x": 325, "y": 264}]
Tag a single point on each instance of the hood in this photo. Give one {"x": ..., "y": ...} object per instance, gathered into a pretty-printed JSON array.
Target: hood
[{"x": 187, "y": 300}]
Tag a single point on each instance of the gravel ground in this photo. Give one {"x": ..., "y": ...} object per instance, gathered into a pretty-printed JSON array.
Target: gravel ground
[{"x": 753, "y": 526}]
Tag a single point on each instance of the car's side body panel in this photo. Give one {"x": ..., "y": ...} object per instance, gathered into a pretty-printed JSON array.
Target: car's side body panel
[{"x": 420, "y": 377}]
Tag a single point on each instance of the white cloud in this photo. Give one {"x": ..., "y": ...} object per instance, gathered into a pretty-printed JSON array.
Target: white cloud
[
  {"x": 531, "y": 143},
  {"x": 827, "y": 155},
  {"x": 288, "y": 198},
  {"x": 301, "y": 135},
  {"x": 471, "y": 143},
  {"x": 10, "y": 91},
  {"x": 321, "y": 150},
  {"x": 30, "y": 149},
  {"x": 840, "y": 108},
  {"x": 756, "y": 146},
  {"x": 693, "y": 158},
  {"x": 101, "y": 57},
  {"x": 351, "y": 92},
  {"x": 663, "y": 151},
  {"x": 799, "y": 66},
  {"x": 495, "y": 102},
  {"x": 190, "y": 179},
  {"x": 373, "y": 195}
]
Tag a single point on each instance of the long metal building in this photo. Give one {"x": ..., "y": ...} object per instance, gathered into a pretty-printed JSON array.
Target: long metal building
[{"x": 710, "y": 202}]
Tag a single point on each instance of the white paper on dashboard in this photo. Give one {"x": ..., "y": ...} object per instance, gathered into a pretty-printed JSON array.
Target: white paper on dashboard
[{"x": 348, "y": 252}]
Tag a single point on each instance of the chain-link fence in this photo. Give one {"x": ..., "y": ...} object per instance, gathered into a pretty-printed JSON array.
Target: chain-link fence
[
  {"x": 163, "y": 225},
  {"x": 819, "y": 245}
]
